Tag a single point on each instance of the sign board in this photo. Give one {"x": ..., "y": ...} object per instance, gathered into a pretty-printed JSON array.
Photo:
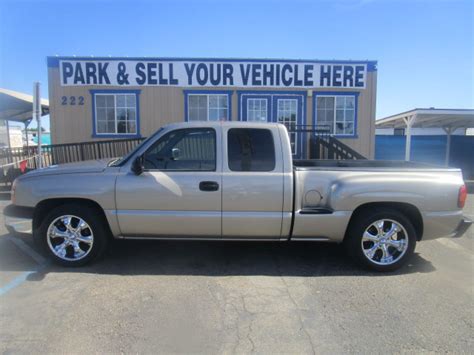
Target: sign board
[{"x": 219, "y": 74}]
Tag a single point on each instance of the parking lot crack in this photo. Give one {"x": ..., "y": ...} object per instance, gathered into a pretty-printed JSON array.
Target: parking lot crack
[
  {"x": 297, "y": 308},
  {"x": 250, "y": 331}
]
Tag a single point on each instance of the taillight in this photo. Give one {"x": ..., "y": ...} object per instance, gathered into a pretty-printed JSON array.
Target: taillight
[{"x": 462, "y": 196}]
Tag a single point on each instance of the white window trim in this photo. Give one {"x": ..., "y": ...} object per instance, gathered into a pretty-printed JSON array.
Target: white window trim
[
  {"x": 115, "y": 114},
  {"x": 208, "y": 108},
  {"x": 334, "y": 120}
]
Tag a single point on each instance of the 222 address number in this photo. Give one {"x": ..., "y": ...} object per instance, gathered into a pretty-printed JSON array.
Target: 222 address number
[{"x": 72, "y": 100}]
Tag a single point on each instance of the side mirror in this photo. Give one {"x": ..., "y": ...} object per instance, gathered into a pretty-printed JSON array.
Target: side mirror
[
  {"x": 137, "y": 165},
  {"x": 175, "y": 153}
]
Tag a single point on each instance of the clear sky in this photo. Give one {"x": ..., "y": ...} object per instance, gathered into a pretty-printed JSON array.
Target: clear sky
[{"x": 424, "y": 48}]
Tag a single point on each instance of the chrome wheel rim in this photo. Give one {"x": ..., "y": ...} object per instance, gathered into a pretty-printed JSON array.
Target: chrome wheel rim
[
  {"x": 384, "y": 242},
  {"x": 70, "y": 238}
]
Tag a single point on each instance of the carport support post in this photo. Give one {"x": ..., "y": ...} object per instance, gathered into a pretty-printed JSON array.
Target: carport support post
[
  {"x": 408, "y": 122},
  {"x": 37, "y": 114},
  {"x": 8, "y": 134},
  {"x": 448, "y": 131},
  {"x": 27, "y": 123}
]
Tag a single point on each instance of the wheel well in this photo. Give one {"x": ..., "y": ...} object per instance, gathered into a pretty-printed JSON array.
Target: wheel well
[
  {"x": 45, "y": 206},
  {"x": 408, "y": 210}
]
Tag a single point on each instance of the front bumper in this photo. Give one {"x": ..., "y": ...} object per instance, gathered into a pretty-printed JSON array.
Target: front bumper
[{"x": 19, "y": 219}]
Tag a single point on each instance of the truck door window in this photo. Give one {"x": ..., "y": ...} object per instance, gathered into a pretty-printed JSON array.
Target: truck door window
[
  {"x": 250, "y": 149},
  {"x": 184, "y": 149}
]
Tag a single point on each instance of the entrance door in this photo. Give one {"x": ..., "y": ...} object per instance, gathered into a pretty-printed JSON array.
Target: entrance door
[{"x": 288, "y": 111}]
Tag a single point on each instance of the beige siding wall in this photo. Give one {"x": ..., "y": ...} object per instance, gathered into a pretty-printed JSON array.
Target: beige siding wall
[
  {"x": 365, "y": 141},
  {"x": 162, "y": 105}
]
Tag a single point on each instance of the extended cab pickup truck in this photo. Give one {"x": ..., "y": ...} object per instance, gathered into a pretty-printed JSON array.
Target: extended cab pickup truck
[{"x": 237, "y": 181}]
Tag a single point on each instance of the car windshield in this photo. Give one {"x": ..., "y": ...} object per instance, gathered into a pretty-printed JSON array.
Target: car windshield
[{"x": 125, "y": 158}]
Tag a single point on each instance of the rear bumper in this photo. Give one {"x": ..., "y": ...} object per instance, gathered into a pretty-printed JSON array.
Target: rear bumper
[
  {"x": 444, "y": 224},
  {"x": 19, "y": 219},
  {"x": 462, "y": 227}
]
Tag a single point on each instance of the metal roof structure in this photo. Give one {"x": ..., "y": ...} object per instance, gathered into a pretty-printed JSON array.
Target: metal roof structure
[
  {"x": 18, "y": 107},
  {"x": 430, "y": 117},
  {"x": 447, "y": 119}
]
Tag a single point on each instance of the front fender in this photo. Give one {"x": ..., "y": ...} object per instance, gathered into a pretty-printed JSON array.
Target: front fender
[{"x": 98, "y": 187}]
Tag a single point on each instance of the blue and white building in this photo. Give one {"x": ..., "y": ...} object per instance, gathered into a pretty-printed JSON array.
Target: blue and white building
[{"x": 106, "y": 98}]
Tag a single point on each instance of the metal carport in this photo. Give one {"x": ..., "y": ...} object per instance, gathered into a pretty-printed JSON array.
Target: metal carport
[
  {"x": 18, "y": 107},
  {"x": 447, "y": 119}
]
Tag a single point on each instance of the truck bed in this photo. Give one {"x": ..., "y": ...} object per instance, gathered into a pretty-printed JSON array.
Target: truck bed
[{"x": 328, "y": 191}]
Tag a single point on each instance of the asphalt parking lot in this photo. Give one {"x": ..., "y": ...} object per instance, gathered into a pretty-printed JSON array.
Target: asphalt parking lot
[{"x": 210, "y": 297}]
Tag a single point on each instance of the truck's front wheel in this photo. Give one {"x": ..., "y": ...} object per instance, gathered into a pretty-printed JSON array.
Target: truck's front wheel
[
  {"x": 72, "y": 235},
  {"x": 382, "y": 240}
]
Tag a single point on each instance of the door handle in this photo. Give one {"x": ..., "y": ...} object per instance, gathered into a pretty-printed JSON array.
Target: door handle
[{"x": 208, "y": 186}]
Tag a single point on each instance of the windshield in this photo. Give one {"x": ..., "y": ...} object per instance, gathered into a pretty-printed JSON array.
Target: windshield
[{"x": 125, "y": 158}]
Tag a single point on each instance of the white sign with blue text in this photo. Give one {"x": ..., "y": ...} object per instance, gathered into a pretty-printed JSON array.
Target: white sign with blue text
[{"x": 271, "y": 74}]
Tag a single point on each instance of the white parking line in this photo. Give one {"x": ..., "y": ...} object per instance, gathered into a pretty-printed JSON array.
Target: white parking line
[
  {"x": 453, "y": 245},
  {"x": 20, "y": 279},
  {"x": 17, "y": 281}
]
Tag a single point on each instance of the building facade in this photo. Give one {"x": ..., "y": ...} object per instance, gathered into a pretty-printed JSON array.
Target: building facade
[{"x": 95, "y": 98}]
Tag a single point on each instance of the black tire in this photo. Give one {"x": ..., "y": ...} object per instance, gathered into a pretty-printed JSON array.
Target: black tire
[
  {"x": 98, "y": 228},
  {"x": 355, "y": 232}
]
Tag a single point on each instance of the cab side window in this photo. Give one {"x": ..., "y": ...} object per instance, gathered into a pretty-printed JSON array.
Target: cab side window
[
  {"x": 184, "y": 149},
  {"x": 250, "y": 149}
]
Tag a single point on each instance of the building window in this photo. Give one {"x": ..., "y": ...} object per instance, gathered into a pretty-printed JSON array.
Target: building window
[
  {"x": 257, "y": 110},
  {"x": 116, "y": 113},
  {"x": 338, "y": 113},
  {"x": 207, "y": 106}
]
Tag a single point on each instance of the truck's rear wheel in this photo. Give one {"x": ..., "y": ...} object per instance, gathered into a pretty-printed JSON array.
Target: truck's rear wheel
[
  {"x": 73, "y": 235},
  {"x": 382, "y": 240}
]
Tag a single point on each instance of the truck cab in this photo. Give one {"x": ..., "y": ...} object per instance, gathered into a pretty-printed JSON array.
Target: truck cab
[{"x": 213, "y": 181}]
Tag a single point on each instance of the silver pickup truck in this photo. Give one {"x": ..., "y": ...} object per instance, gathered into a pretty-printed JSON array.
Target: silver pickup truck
[{"x": 237, "y": 181}]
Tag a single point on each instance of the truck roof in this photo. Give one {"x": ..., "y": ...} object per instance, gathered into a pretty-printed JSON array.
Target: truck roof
[{"x": 221, "y": 124}]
